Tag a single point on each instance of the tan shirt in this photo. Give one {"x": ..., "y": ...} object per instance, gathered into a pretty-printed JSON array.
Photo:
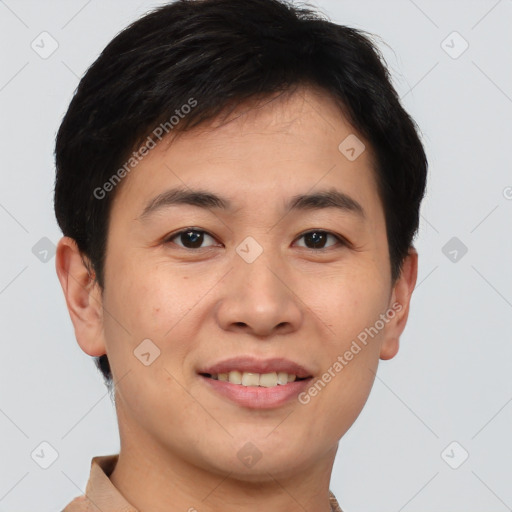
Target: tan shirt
[{"x": 100, "y": 491}]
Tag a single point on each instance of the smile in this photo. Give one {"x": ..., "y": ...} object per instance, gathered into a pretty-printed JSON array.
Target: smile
[{"x": 266, "y": 380}]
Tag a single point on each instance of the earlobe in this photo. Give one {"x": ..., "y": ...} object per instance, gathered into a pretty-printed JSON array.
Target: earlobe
[
  {"x": 83, "y": 297},
  {"x": 400, "y": 302}
]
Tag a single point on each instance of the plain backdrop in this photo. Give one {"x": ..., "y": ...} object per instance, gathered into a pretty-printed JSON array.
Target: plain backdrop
[{"x": 435, "y": 434}]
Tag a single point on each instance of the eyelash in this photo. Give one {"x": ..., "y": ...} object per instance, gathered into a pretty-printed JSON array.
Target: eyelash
[{"x": 341, "y": 241}]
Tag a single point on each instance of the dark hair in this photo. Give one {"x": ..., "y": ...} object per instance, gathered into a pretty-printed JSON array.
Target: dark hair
[{"x": 220, "y": 53}]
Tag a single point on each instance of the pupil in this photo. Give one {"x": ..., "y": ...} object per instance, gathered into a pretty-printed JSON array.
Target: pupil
[
  {"x": 194, "y": 241},
  {"x": 316, "y": 238}
]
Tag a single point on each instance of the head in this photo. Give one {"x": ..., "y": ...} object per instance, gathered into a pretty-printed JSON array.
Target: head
[{"x": 244, "y": 106}]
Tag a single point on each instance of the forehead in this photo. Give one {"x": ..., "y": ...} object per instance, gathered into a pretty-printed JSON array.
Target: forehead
[{"x": 285, "y": 144}]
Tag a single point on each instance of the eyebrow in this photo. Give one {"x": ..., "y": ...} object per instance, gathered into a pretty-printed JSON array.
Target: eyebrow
[{"x": 329, "y": 198}]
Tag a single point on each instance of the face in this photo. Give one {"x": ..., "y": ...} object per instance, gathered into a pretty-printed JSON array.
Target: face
[{"x": 256, "y": 272}]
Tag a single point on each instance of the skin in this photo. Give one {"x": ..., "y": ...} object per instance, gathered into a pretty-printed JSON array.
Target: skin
[{"x": 179, "y": 440}]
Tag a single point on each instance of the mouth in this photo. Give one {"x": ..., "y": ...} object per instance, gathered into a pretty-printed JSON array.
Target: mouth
[
  {"x": 254, "y": 383},
  {"x": 248, "y": 392},
  {"x": 251, "y": 371},
  {"x": 253, "y": 379}
]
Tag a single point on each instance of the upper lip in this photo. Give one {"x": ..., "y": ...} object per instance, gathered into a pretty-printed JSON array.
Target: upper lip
[{"x": 254, "y": 365}]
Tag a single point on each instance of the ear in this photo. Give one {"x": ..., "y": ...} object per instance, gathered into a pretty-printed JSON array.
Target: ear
[
  {"x": 399, "y": 303},
  {"x": 83, "y": 297}
]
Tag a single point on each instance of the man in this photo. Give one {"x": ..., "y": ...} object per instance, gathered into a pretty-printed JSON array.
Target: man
[{"x": 238, "y": 187}]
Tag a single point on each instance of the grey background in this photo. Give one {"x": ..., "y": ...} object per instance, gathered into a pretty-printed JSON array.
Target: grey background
[{"x": 451, "y": 380}]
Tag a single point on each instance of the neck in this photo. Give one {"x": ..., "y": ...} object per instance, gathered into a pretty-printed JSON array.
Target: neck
[{"x": 151, "y": 477}]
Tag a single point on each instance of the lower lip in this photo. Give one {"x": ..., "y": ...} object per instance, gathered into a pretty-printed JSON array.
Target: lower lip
[{"x": 256, "y": 397}]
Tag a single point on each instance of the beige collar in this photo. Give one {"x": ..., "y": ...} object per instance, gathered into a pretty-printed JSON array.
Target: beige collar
[{"x": 101, "y": 492}]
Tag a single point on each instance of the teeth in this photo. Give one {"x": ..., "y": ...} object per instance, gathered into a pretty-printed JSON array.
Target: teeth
[
  {"x": 250, "y": 379},
  {"x": 282, "y": 378},
  {"x": 235, "y": 377},
  {"x": 266, "y": 380}
]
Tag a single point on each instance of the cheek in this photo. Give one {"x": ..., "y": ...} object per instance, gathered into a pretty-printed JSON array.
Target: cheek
[
  {"x": 351, "y": 353},
  {"x": 152, "y": 303},
  {"x": 353, "y": 310},
  {"x": 350, "y": 304},
  {"x": 151, "y": 299}
]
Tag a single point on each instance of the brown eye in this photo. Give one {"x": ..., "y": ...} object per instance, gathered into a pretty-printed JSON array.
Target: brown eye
[
  {"x": 190, "y": 238},
  {"x": 317, "y": 239}
]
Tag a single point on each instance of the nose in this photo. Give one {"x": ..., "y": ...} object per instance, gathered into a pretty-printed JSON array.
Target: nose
[{"x": 258, "y": 299}]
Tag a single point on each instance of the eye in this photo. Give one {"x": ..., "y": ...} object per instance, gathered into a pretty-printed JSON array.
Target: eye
[
  {"x": 317, "y": 239},
  {"x": 190, "y": 238}
]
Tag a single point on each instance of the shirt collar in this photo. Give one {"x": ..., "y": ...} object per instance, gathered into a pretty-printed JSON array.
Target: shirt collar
[
  {"x": 101, "y": 491},
  {"x": 104, "y": 495}
]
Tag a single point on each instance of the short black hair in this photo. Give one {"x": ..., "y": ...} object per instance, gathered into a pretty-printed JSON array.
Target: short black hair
[{"x": 213, "y": 55}]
